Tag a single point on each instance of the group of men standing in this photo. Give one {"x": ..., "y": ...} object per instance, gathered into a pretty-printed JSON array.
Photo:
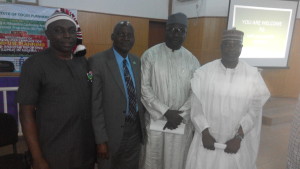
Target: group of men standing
[{"x": 72, "y": 108}]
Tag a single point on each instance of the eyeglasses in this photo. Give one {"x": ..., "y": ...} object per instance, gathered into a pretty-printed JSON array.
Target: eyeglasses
[{"x": 180, "y": 30}]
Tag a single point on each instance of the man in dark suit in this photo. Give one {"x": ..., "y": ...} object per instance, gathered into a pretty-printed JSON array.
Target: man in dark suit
[{"x": 118, "y": 116}]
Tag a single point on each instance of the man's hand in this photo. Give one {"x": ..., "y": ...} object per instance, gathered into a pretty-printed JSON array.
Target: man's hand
[
  {"x": 173, "y": 119},
  {"x": 40, "y": 164},
  {"x": 233, "y": 145},
  {"x": 30, "y": 131},
  {"x": 208, "y": 141},
  {"x": 170, "y": 126},
  {"x": 102, "y": 151}
]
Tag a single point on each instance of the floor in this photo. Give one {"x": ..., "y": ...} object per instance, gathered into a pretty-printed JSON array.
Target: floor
[
  {"x": 278, "y": 113},
  {"x": 273, "y": 144}
]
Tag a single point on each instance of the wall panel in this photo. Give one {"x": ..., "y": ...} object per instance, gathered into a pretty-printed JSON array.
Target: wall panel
[
  {"x": 286, "y": 82},
  {"x": 204, "y": 36},
  {"x": 97, "y": 29}
]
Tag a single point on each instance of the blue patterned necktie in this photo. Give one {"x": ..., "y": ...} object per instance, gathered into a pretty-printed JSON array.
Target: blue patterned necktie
[{"x": 131, "y": 93}]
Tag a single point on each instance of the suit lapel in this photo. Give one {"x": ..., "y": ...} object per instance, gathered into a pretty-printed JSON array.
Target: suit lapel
[{"x": 114, "y": 68}]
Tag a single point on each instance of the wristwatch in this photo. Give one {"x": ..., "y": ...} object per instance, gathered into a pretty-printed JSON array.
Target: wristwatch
[{"x": 239, "y": 136}]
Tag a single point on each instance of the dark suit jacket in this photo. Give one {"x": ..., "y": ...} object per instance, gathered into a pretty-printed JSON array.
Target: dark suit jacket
[{"x": 109, "y": 100}]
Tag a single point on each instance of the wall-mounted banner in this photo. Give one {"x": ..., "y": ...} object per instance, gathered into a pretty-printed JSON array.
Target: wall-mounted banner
[{"x": 22, "y": 31}]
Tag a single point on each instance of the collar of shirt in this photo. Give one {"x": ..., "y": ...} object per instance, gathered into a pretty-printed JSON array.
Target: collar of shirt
[
  {"x": 120, "y": 59},
  {"x": 170, "y": 50},
  {"x": 228, "y": 69}
]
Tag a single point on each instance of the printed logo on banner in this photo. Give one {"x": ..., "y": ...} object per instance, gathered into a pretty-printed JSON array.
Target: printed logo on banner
[{"x": 22, "y": 31}]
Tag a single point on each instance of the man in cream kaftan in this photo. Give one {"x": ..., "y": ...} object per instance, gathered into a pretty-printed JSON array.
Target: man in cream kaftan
[
  {"x": 166, "y": 75},
  {"x": 223, "y": 99},
  {"x": 227, "y": 101}
]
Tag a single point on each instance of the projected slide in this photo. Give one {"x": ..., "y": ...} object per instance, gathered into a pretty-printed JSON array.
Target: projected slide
[{"x": 268, "y": 30}]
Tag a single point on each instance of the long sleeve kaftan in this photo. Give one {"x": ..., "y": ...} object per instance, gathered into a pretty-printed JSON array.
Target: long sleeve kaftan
[
  {"x": 166, "y": 76},
  {"x": 223, "y": 100}
]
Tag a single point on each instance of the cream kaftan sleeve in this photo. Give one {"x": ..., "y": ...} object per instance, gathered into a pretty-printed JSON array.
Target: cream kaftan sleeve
[
  {"x": 197, "y": 116},
  {"x": 153, "y": 105},
  {"x": 261, "y": 95},
  {"x": 186, "y": 107}
]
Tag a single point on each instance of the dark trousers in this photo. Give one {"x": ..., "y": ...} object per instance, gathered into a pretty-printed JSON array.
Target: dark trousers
[{"x": 127, "y": 156}]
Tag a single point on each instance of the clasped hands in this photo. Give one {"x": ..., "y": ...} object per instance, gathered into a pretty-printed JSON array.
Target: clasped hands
[
  {"x": 173, "y": 119},
  {"x": 232, "y": 145}
]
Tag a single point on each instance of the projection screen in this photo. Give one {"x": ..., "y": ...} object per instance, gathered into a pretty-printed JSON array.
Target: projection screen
[{"x": 268, "y": 28}]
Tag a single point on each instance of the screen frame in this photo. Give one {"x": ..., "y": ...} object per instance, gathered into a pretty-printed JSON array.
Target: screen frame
[{"x": 267, "y": 62}]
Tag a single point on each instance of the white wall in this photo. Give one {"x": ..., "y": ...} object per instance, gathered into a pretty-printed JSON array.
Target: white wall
[
  {"x": 148, "y": 8},
  {"x": 206, "y": 8},
  {"x": 141, "y": 8},
  {"x": 197, "y": 8}
]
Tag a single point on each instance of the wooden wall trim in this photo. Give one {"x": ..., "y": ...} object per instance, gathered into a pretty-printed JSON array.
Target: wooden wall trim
[
  {"x": 9, "y": 74},
  {"x": 97, "y": 29}
]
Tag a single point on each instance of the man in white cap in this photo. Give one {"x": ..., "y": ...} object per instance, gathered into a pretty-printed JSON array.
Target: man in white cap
[
  {"x": 54, "y": 97},
  {"x": 167, "y": 69},
  {"x": 227, "y": 101}
]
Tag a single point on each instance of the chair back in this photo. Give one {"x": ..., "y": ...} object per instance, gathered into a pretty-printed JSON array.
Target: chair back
[{"x": 8, "y": 129}]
